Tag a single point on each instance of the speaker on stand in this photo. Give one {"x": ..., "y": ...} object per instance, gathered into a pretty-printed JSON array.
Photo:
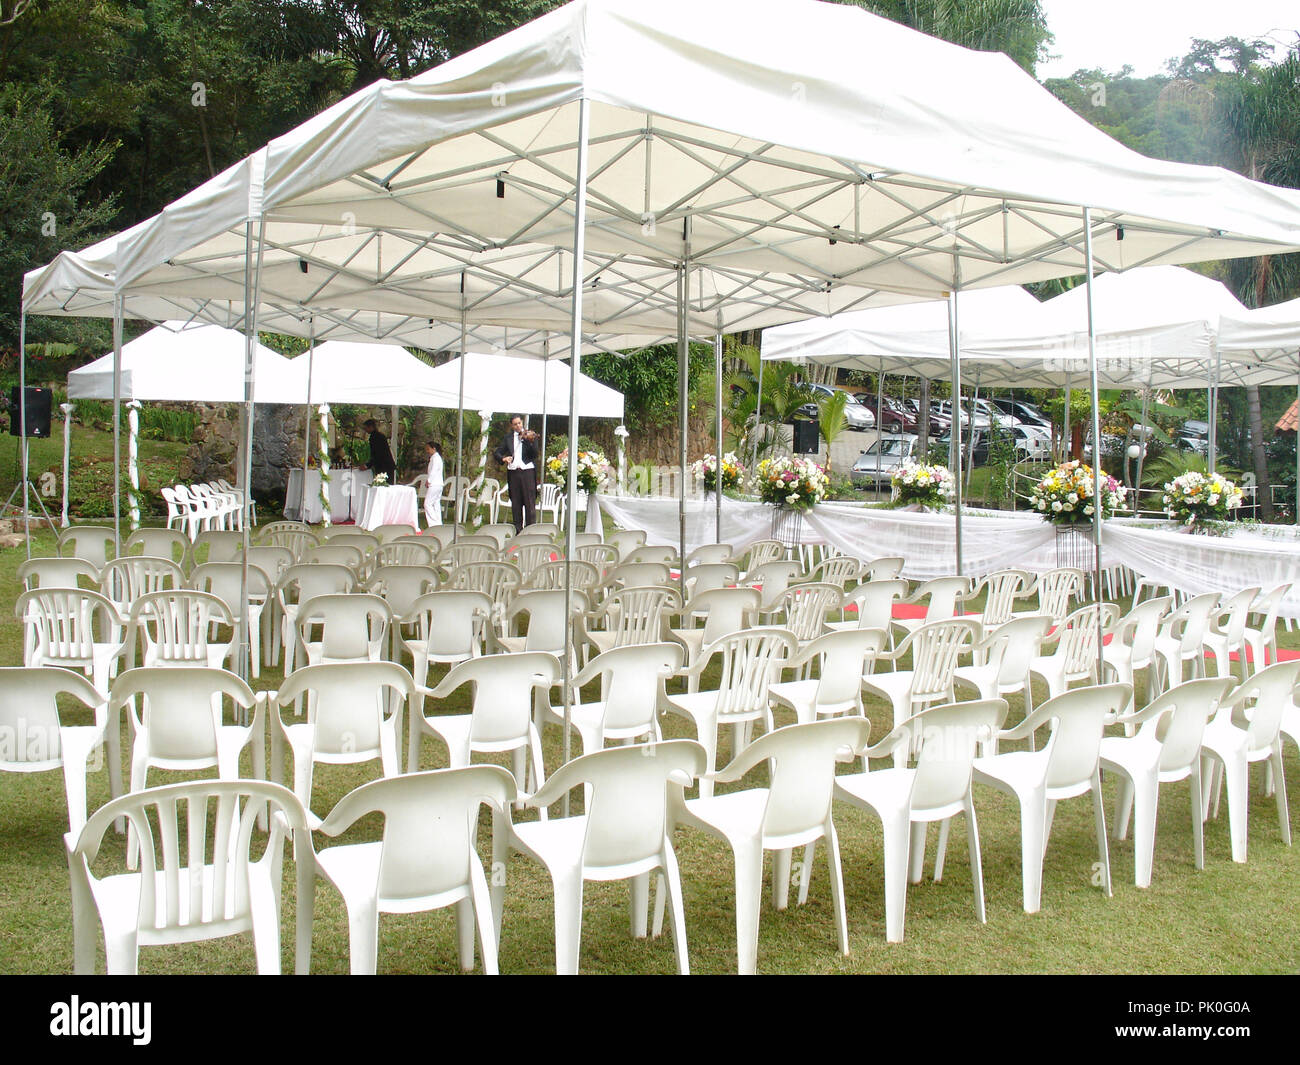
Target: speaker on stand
[{"x": 29, "y": 417}]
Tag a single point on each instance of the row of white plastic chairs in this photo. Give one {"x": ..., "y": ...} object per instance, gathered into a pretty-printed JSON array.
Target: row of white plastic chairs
[
  {"x": 1197, "y": 726},
  {"x": 198, "y": 507}
]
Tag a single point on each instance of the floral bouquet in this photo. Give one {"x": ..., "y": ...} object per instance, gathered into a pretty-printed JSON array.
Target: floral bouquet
[
  {"x": 1193, "y": 498},
  {"x": 706, "y": 468},
  {"x": 593, "y": 470},
  {"x": 916, "y": 482},
  {"x": 796, "y": 483},
  {"x": 1064, "y": 496},
  {"x": 380, "y": 480}
]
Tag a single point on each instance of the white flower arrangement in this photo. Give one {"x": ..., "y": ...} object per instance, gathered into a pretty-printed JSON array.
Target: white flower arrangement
[
  {"x": 705, "y": 470},
  {"x": 919, "y": 482},
  {"x": 797, "y": 483},
  {"x": 380, "y": 480},
  {"x": 1193, "y": 498}
]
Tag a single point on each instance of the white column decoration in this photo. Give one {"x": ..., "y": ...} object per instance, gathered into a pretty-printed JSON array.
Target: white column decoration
[
  {"x": 324, "y": 411},
  {"x": 133, "y": 463},
  {"x": 67, "y": 409}
]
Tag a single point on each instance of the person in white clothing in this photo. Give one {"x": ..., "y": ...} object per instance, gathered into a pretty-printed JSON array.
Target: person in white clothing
[{"x": 433, "y": 499}]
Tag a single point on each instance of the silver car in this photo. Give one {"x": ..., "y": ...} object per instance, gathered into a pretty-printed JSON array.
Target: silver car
[{"x": 889, "y": 453}]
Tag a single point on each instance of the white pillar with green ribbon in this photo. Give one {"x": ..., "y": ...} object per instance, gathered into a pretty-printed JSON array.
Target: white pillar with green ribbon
[
  {"x": 133, "y": 463},
  {"x": 324, "y": 411}
]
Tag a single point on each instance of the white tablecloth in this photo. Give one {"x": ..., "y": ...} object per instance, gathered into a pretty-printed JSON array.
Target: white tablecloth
[
  {"x": 347, "y": 491},
  {"x": 389, "y": 505},
  {"x": 990, "y": 541}
]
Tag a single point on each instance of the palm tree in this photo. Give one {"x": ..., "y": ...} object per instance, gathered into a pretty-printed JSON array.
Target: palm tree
[{"x": 831, "y": 420}]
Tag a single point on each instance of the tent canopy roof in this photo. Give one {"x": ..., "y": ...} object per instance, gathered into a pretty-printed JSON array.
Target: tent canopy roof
[
  {"x": 508, "y": 384},
  {"x": 721, "y": 131},
  {"x": 187, "y": 364}
]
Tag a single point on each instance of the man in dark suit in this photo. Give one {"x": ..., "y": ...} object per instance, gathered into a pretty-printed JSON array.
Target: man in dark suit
[
  {"x": 381, "y": 457},
  {"x": 518, "y": 451}
]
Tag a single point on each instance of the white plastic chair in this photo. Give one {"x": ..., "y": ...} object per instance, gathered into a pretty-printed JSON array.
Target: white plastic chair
[
  {"x": 160, "y": 543},
  {"x": 1167, "y": 748},
  {"x": 297, "y": 585},
  {"x": 709, "y": 576},
  {"x": 885, "y": 568},
  {"x": 1261, "y": 640},
  {"x": 630, "y": 616},
  {"x": 936, "y": 649},
  {"x": 794, "y": 810},
  {"x": 724, "y": 610},
  {"x": 632, "y": 687},
  {"x": 750, "y": 661},
  {"x": 349, "y": 627},
  {"x": 907, "y": 801},
  {"x": 1181, "y": 641},
  {"x": 710, "y": 554},
  {"x": 1003, "y": 658},
  {"x": 803, "y": 609},
  {"x": 1055, "y": 589},
  {"x": 425, "y": 860},
  {"x": 401, "y": 586},
  {"x": 1226, "y": 635},
  {"x": 94, "y": 543},
  {"x": 625, "y": 834},
  {"x": 1133, "y": 643},
  {"x": 772, "y": 579},
  {"x": 291, "y": 535},
  {"x": 655, "y": 553},
  {"x": 222, "y": 545},
  {"x": 41, "y": 742},
  {"x": 504, "y": 688},
  {"x": 1065, "y": 768},
  {"x": 761, "y": 552},
  {"x": 226, "y": 581},
  {"x": 354, "y": 715},
  {"x": 625, "y": 541},
  {"x": 46, "y": 572},
  {"x": 176, "y": 629},
  {"x": 405, "y": 553},
  {"x": 1076, "y": 640},
  {"x": 942, "y": 594},
  {"x": 842, "y": 658},
  {"x": 75, "y": 629},
  {"x": 497, "y": 580},
  {"x": 220, "y": 890},
  {"x": 1245, "y": 730},
  {"x": 449, "y": 628},
  {"x": 1003, "y": 589},
  {"x": 124, "y": 580}
]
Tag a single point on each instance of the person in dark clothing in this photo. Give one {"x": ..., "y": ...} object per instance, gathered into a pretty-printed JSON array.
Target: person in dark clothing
[
  {"x": 518, "y": 451},
  {"x": 381, "y": 458}
]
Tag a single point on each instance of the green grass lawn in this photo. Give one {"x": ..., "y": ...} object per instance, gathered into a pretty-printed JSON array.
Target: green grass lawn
[{"x": 1226, "y": 919}]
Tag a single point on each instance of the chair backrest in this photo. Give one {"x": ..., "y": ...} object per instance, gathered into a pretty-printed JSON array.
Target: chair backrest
[
  {"x": 448, "y": 621},
  {"x": 546, "y": 616},
  {"x": 1078, "y": 719},
  {"x": 627, "y": 817},
  {"x": 179, "y": 710},
  {"x": 1237, "y": 610},
  {"x": 886, "y": 568},
  {"x": 400, "y": 586},
  {"x": 332, "y": 554},
  {"x": 707, "y": 576},
  {"x": 503, "y": 687},
  {"x": 1078, "y": 636},
  {"x": 639, "y": 615},
  {"x": 307, "y": 580},
  {"x": 761, "y": 551},
  {"x": 162, "y": 543},
  {"x": 654, "y": 553},
  {"x": 837, "y": 570},
  {"x": 1003, "y": 588},
  {"x": 500, "y": 531},
  {"x": 1269, "y": 693},
  {"x": 66, "y": 619},
  {"x": 498, "y": 580},
  {"x": 774, "y": 576},
  {"x": 749, "y": 662},
  {"x": 347, "y": 704},
  {"x": 582, "y": 576},
  {"x": 603, "y": 556},
  {"x": 366, "y": 543},
  {"x": 1179, "y": 717},
  {"x": 625, "y": 541},
  {"x": 388, "y": 533},
  {"x": 725, "y": 610},
  {"x": 1012, "y": 645},
  {"x": 30, "y": 718},
  {"x": 640, "y": 574},
  {"x": 183, "y": 902},
  {"x": 222, "y": 545},
  {"x": 430, "y": 825},
  {"x": 936, "y": 651},
  {"x": 405, "y": 553},
  {"x": 176, "y": 625},
  {"x": 801, "y": 764},
  {"x": 461, "y": 553},
  {"x": 1268, "y": 606},
  {"x": 352, "y": 624},
  {"x": 541, "y": 528},
  {"x": 271, "y": 560},
  {"x": 94, "y": 543},
  {"x": 585, "y": 539},
  {"x": 875, "y": 601},
  {"x": 1055, "y": 589},
  {"x": 710, "y": 554},
  {"x": 942, "y": 594},
  {"x": 805, "y": 607},
  {"x": 843, "y": 657},
  {"x": 123, "y": 580},
  {"x": 632, "y": 681},
  {"x": 1141, "y": 625},
  {"x": 296, "y": 538},
  {"x": 226, "y": 579},
  {"x": 48, "y": 572},
  {"x": 549, "y": 497},
  {"x": 529, "y": 556},
  {"x": 949, "y": 738}
]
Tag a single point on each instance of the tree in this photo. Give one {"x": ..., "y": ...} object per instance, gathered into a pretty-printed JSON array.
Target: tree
[
  {"x": 831, "y": 420},
  {"x": 1015, "y": 27}
]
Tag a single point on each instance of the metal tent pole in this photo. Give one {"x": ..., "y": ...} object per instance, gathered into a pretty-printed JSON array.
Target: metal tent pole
[
  {"x": 117, "y": 423},
  {"x": 546, "y": 380},
  {"x": 306, "y": 434},
  {"x": 1096, "y": 433},
  {"x": 1065, "y": 432},
  {"x": 683, "y": 371},
  {"x": 460, "y": 422},
  {"x": 1213, "y": 449},
  {"x": 252, "y": 295},
  {"x": 25, "y": 460},
  {"x": 880, "y": 423},
  {"x": 1295, "y": 505},
  {"x": 575, "y": 367},
  {"x": 717, "y": 458},
  {"x": 1142, "y": 454},
  {"x": 974, "y": 400},
  {"x": 758, "y": 419},
  {"x": 67, "y": 409},
  {"x": 954, "y": 345}
]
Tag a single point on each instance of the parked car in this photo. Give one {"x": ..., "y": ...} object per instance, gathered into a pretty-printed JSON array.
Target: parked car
[
  {"x": 888, "y": 453},
  {"x": 1032, "y": 443},
  {"x": 1194, "y": 436},
  {"x": 980, "y": 455},
  {"x": 856, "y": 416},
  {"x": 895, "y": 417},
  {"x": 1027, "y": 413}
]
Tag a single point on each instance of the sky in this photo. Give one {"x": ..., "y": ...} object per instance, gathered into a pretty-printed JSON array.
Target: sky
[{"x": 1145, "y": 33}]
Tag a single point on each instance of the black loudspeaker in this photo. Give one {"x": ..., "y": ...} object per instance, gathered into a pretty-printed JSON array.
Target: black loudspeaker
[
  {"x": 806, "y": 437},
  {"x": 39, "y": 403}
]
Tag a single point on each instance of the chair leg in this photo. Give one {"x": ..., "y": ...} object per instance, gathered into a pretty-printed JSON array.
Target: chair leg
[
  {"x": 1033, "y": 822},
  {"x": 638, "y": 904},
  {"x": 749, "y": 893},
  {"x": 1103, "y": 845},
  {"x": 916, "y": 851},
  {"x": 363, "y": 935},
  {"x": 781, "y": 863},
  {"x": 837, "y": 886},
  {"x": 941, "y": 851},
  {"x": 1198, "y": 816},
  {"x": 568, "y": 922},
  {"x": 1235, "y": 776},
  {"x": 670, "y": 884},
  {"x": 1145, "y": 799},
  {"x": 465, "y": 934},
  {"x": 976, "y": 859},
  {"x": 805, "y": 871},
  {"x": 1279, "y": 778},
  {"x": 896, "y": 832}
]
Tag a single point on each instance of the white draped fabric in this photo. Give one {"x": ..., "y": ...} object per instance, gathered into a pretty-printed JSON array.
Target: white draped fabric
[
  {"x": 1190, "y": 563},
  {"x": 394, "y": 505}
]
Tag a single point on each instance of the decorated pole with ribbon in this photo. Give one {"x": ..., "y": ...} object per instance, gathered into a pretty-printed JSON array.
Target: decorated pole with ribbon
[
  {"x": 324, "y": 411},
  {"x": 67, "y": 409},
  {"x": 133, "y": 463},
  {"x": 621, "y": 435},
  {"x": 486, "y": 417}
]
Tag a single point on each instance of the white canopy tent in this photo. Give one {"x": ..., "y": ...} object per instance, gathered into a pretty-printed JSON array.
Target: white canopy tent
[
  {"x": 631, "y": 169},
  {"x": 497, "y": 382}
]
